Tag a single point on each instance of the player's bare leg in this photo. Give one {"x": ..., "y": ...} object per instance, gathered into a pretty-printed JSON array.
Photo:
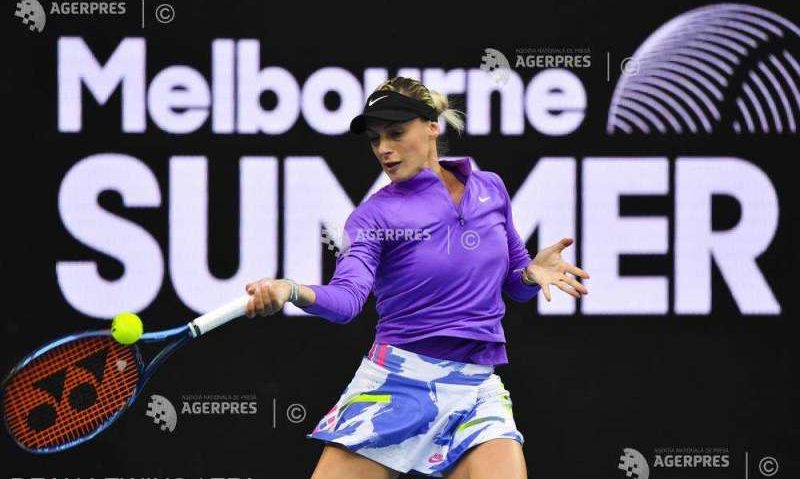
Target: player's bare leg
[
  {"x": 493, "y": 459},
  {"x": 336, "y": 462}
]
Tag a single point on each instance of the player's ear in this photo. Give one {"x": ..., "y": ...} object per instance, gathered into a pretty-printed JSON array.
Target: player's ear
[{"x": 433, "y": 128}]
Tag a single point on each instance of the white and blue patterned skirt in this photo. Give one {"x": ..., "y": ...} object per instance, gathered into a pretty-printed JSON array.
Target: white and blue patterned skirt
[{"x": 418, "y": 414}]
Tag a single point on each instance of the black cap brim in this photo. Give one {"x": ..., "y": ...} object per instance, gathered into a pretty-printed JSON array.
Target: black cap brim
[{"x": 359, "y": 123}]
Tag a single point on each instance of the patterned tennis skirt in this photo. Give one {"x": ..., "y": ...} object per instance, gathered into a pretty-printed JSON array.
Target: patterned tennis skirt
[{"x": 418, "y": 414}]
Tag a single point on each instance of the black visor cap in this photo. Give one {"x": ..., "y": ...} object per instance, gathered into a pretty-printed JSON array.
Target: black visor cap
[{"x": 393, "y": 107}]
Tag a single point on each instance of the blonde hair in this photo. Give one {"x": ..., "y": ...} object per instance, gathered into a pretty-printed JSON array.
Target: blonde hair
[{"x": 416, "y": 89}]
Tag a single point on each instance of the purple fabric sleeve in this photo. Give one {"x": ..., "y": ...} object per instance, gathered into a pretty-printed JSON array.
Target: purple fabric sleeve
[
  {"x": 518, "y": 256},
  {"x": 344, "y": 296}
]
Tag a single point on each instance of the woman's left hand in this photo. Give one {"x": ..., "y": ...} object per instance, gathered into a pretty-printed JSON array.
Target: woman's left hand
[{"x": 548, "y": 268}]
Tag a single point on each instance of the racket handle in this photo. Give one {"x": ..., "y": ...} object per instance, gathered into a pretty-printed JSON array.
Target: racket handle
[{"x": 219, "y": 316}]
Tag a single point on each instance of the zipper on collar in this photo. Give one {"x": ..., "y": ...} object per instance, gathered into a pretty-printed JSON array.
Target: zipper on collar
[{"x": 457, "y": 209}]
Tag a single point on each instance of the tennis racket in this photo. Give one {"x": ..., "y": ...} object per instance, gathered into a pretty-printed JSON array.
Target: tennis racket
[{"x": 70, "y": 390}]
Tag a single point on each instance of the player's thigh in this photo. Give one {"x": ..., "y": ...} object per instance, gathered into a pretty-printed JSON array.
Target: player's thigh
[
  {"x": 336, "y": 462},
  {"x": 494, "y": 459}
]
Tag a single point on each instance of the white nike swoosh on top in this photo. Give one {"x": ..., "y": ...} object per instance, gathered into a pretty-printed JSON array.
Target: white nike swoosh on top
[
  {"x": 372, "y": 102},
  {"x": 483, "y": 200}
]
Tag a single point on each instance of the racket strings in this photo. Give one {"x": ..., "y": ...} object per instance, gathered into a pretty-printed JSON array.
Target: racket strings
[{"x": 69, "y": 392}]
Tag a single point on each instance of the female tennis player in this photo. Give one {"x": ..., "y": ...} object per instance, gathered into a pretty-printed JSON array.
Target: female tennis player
[{"x": 438, "y": 247}]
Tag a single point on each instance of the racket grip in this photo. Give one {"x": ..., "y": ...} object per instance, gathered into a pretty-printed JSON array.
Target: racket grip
[{"x": 219, "y": 316}]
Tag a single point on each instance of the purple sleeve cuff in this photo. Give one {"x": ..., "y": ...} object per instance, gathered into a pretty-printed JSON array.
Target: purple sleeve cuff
[
  {"x": 517, "y": 290},
  {"x": 326, "y": 305}
]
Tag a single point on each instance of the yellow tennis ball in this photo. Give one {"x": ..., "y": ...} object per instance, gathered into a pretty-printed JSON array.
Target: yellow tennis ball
[{"x": 126, "y": 328}]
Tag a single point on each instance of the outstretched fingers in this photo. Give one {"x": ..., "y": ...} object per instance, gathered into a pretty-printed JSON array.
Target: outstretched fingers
[
  {"x": 563, "y": 243},
  {"x": 563, "y": 286},
  {"x": 546, "y": 291},
  {"x": 570, "y": 280},
  {"x": 576, "y": 271}
]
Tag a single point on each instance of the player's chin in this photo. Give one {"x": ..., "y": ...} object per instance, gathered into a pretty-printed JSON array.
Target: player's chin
[{"x": 396, "y": 172}]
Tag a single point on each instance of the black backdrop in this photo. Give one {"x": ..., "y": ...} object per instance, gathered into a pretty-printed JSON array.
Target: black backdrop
[{"x": 584, "y": 386}]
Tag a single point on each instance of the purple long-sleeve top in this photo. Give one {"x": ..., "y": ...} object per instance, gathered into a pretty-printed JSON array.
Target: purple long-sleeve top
[{"x": 437, "y": 269}]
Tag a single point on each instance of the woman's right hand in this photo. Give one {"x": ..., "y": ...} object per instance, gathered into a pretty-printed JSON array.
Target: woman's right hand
[{"x": 267, "y": 297}]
